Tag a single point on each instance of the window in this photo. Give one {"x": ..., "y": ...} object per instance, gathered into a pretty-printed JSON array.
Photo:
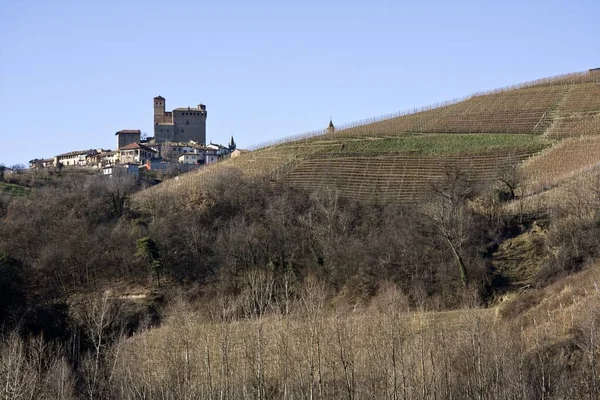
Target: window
[{"x": 187, "y": 122}]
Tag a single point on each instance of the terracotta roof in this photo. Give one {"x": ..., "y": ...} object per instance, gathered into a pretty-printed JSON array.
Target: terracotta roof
[
  {"x": 129, "y": 131},
  {"x": 133, "y": 146}
]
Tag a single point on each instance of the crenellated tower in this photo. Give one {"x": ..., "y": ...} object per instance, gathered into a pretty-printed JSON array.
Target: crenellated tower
[{"x": 179, "y": 125}]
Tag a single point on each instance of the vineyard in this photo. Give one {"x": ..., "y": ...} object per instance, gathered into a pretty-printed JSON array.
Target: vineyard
[
  {"x": 397, "y": 178},
  {"x": 570, "y": 157},
  {"x": 395, "y": 158}
]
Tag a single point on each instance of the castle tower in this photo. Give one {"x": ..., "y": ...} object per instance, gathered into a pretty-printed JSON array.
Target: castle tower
[
  {"x": 181, "y": 124},
  {"x": 159, "y": 110}
]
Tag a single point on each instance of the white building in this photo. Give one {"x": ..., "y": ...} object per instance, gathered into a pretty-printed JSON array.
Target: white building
[
  {"x": 74, "y": 158},
  {"x": 189, "y": 158}
]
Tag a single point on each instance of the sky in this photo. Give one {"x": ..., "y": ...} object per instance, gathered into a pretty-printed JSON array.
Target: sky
[{"x": 72, "y": 73}]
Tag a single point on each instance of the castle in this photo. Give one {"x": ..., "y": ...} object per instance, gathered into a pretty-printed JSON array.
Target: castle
[
  {"x": 179, "y": 125},
  {"x": 179, "y": 138}
]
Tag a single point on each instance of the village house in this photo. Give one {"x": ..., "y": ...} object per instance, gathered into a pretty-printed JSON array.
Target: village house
[
  {"x": 109, "y": 158},
  {"x": 135, "y": 153},
  {"x": 97, "y": 159},
  {"x": 73, "y": 158},
  {"x": 113, "y": 170},
  {"x": 238, "y": 152},
  {"x": 211, "y": 155},
  {"x": 219, "y": 149},
  {"x": 172, "y": 150},
  {"x": 157, "y": 164},
  {"x": 128, "y": 136},
  {"x": 190, "y": 158},
  {"x": 41, "y": 163}
]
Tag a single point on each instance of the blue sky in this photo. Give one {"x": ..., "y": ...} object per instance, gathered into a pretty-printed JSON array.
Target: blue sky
[{"x": 72, "y": 73}]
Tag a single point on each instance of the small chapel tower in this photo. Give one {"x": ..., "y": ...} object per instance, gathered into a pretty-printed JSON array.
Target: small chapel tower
[{"x": 330, "y": 128}]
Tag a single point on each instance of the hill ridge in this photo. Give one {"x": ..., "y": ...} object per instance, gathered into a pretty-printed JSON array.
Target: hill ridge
[{"x": 393, "y": 157}]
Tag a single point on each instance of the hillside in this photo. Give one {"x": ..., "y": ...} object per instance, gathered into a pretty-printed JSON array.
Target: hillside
[
  {"x": 275, "y": 275},
  {"x": 394, "y": 158}
]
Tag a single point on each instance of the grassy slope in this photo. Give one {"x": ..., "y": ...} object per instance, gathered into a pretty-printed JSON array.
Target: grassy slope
[{"x": 13, "y": 190}]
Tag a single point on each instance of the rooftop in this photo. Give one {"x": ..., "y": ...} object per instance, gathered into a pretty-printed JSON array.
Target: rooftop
[
  {"x": 77, "y": 153},
  {"x": 129, "y": 132},
  {"x": 134, "y": 146},
  {"x": 188, "y": 109}
]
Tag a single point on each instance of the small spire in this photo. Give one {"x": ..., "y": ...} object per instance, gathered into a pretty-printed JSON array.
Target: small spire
[{"x": 330, "y": 128}]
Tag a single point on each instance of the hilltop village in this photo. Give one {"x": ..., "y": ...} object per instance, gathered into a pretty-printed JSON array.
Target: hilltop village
[{"x": 179, "y": 142}]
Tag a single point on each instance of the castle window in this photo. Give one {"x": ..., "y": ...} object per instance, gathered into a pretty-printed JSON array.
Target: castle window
[{"x": 187, "y": 122}]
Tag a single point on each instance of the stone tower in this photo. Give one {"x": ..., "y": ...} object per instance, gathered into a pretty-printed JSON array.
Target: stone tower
[
  {"x": 159, "y": 110},
  {"x": 180, "y": 124}
]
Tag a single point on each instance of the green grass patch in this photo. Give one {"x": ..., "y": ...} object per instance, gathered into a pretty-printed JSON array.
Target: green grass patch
[
  {"x": 13, "y": 190},
  {"x": 427, "y": 144},
  {"x": 449, "y": 143}
]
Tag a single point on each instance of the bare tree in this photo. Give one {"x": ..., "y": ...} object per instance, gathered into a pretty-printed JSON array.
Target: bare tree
[
  {"x": 450, "y": 215},
  {"x": 99, "y": 319}
]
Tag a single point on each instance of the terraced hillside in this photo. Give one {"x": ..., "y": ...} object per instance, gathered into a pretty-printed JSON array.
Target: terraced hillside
[{"x": 396, "y": 157}]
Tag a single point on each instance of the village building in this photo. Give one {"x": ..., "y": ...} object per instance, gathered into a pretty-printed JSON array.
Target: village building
[
  {"x": 180, "y": 124},
  {"x": 128, "y": 136},
  {"x": 113, "y": 170},
  {"x": 238, "y": 152},
  {"x": 190, "y": 158},
  {"x": 109, "y": 158},
  {"x": 157, "y": 164},
  {"x": 73, "y": 158},
  {"x": 172, "y": 150},
  {"x": 41, "y": 163},
  {"x": 218, "y": 149},
  {"x": 99, "y": 159},
  {"x": 211, "y": 155},
  {"x": 135, "y": 153}
]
